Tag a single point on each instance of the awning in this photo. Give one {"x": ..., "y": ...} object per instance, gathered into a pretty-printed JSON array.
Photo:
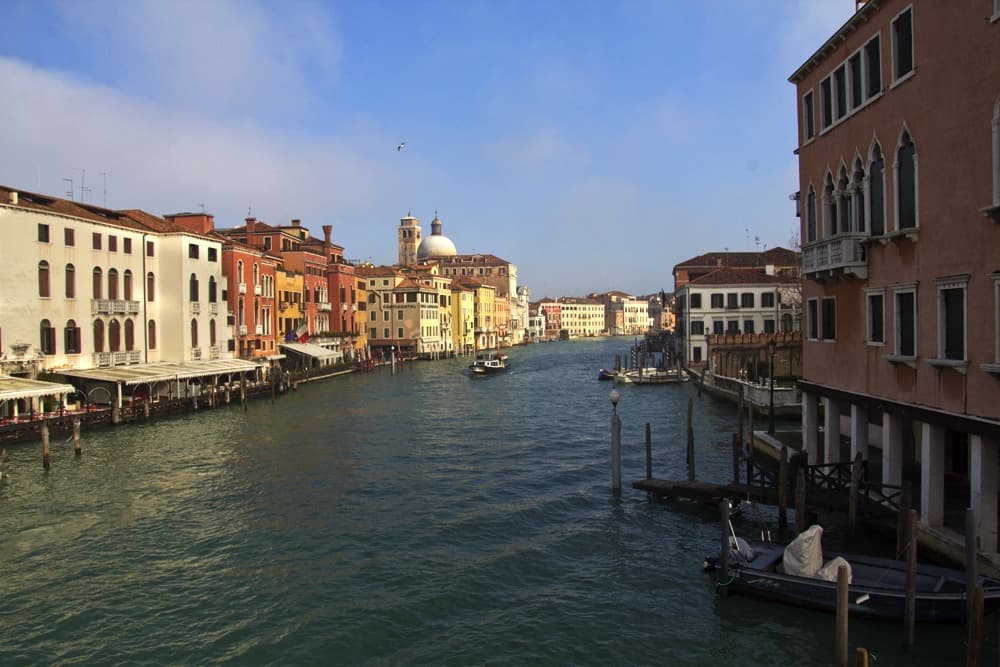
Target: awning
[
  {"x": 308, "y": 349},
  {"x": 12, "y": 388},
  {"x": 166, "y": 371}
]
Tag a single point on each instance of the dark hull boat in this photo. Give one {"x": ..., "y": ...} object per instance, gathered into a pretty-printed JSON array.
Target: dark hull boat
[
  {"x": 877, "y": 585},
  {"x": 489, "y": 363}
]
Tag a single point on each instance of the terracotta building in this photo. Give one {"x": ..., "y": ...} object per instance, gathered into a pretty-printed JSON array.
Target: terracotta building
[{"x": 899, "y": 190}]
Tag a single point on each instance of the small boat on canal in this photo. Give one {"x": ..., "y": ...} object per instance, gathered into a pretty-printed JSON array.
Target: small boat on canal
[
  {"x": 797, "y": 575},
  {"x": 489, "y": 363}
]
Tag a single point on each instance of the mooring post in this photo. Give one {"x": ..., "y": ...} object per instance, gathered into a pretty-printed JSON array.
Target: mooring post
[
  {"x": 800, "y": 499},
  {"x": 860, "y": 657},
  {"x": 783, "y": 488},
  {"x": 194, "y": 403},
  {"x": 911, "y": 576},
  {"x": 901, "y": 520},
  {"x": 975, "y": 656},
  {"x": 722, "y": 583},
  {"x": 690, "y": 440},
  {"x": 243, "y": 391},
  {"x": 76, "y": 436},
  {"x": 649, "y": 452},
  {"x": 273, "y": 388},
  {"x": 852, "y": 501},
  {"x": 145, "y": 409},
  {"x": 739, "y": 414},
  {"x": 736, "y": 460},
  {"x": 840, "y": 651},
  {"x": 116, "y": 415},
  {"x": 45, "y": 445},
  {"x": 970, "y": 559},
  {"x": 616, "y": 453}
]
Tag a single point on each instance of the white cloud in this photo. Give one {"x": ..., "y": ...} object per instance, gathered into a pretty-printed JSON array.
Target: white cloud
[{"x": 545, "y": 147}]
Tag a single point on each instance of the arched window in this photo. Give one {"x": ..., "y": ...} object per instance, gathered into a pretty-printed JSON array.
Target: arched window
[
  {"x": 876, "y": 191},
  {"x": 129, "y": 335},
  {"x": 71, "y": 337},
  {"x": 811, "y": 215},
  {"x": 70, "y": 281},
  {"x": 98, "y": 336},
  {"x": 906, "y": 183},
  {"x": 194, "y": 332},
  {"x": 112, "y": 283},
  {"x": 43, "y": 279},
  {"x": 211, "y": 332},
  {"x": 193, "y": 287},
  {"x": 150, "y": 287},
  {"x": 858, "y": 194},
  {"x": 256, "y": 274},
  {"x": 114, "y": 336},
  {"x": 98, "y": 283},
  {"x": 830, "y": 207},
  {"x": 47, "y": 337},
  {"x": 240, "y": 315},
  {"x": 844, "y": 202},
  {"x": 127, "y": 285},
  {"x": 151, "y": 338},
  {"x": 239, "y": 272},
  {"x": 211, "y": 289}
]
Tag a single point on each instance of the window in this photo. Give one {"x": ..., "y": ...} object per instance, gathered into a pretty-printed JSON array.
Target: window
[
  {"x": 114, "y": 336},
  {"x": 906, "y": 184},
  {"x": 697, "y": 328},
  {"x": 748, "y": 327},
  {"x": 193, "y": 250},
  {"x": 385, "y": 332},
  {"x": 811, "y": 215},
  {"x": 43, "y": 233},
  {"x": 70, "y": 281},
  {"x": 829, "y": 207},
  {"x": 731, "y": 300},
  {"x": 399, "y": 332},
  {"x": 717, "y": 301},
  {"x": 150, "y": 248},
  {"x": 767, "y": 300},
  {"x": 902, "y": 44},
  {"x": 213, "y": 255},
  {"x": 855, "y": 75},
  {"x": 374, "y": 332},
  {"x": 96, "y": 240},
  {"x": 372, "y": 316},
  {"x": 812, "y": 318},
  {"x": 151, "y": 337},
  {"x": 695, "y": 301},
  {"x": 951, "y": 318},
  {"x": 746, "y": 300},
  {"x": 71, "y": 337},
  {"x": 876, "y": 192},
  {"x": 697, "y": 353},
  {"x": 127, "y": 246},
  {"x": 840, "y": 91},
  {"x": 211, "y": 332},
  {"x": 129, "y": 335},
  {"x": 718, "y": 327},
  {"x": 69, "y": 237},
  {"x": 212, "y": 289},
  {"x": 193, "y": 288},
  {"x": 399, "y": 314},
  {"x": 112, "y": 243},
  {"x": 768, "y": 326},
  {"x": 829, "y": 318},
  {"x": 808, "y": 115},
  {"x": 112, "y": 283},
  {"x": 194, "y": 332},
  {"x": 150, "y": 287},
  {"x": 127, "y": 285},
  {"x": 876, "y": 317},
  {"x": 906, "y": 323},
  {"x": 43, "y": 279},
  {"x": 826, "y": 102},
  {"x": 873, "y": 66},
  {"x": 857, "y": 190},
  {"x": 98, "y": 336},
  {"x": 47, "y": 338}
]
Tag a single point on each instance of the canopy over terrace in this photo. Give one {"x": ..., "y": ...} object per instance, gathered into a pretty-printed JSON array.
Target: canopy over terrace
[
  {"x": 13, "y": 389},
  {"x": 322, "y": 355},
  {"x": 165, "y": 372}
]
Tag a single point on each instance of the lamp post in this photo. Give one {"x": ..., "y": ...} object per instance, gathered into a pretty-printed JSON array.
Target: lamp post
[
  {"x": 616, "y": 447},
  {"x": 771, "y": 345}
]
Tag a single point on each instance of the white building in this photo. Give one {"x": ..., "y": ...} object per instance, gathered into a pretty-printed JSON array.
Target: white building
[{"x": 581, "y": 317}]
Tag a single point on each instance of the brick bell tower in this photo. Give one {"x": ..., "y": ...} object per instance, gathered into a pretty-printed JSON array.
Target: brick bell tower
[{"x": 409, "y": 240}]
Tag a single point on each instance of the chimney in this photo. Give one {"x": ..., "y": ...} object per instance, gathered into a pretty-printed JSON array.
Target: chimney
[
  {"x": 327, "y": 230},
  {"x": 251, "y": 225},
  {"x": 296, "y": 222},
  {"x": 13, "y": 197}
]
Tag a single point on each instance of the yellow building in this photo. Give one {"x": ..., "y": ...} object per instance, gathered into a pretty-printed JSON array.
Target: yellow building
[
  {"x": 289, "y": 286},
  {"x": 463, "y": 318},
  {"x": 484, "y": 314}
]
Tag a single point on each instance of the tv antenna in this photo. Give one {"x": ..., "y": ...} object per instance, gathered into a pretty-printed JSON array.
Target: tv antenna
[
  {"x": 104, "y": 176},
  {"x": 69, "y": 193}
]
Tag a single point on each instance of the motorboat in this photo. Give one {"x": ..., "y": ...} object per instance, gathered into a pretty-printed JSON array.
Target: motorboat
[
  {"x": 651, "y": 376},
  {"x": 488, "y": 363}
]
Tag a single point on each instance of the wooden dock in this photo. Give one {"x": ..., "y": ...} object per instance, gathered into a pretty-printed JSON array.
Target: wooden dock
[{"x": 706, "y": 492}]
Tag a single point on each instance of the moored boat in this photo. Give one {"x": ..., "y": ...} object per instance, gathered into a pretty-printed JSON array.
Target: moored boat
[
  {"x": 652, "y": 376},
  {"x": 488, "y": 363}
]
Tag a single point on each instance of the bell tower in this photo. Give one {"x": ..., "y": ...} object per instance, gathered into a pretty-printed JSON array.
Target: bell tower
[{"x": 409, "y": 240}]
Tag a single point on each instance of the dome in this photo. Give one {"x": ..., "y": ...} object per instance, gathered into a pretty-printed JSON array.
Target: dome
[{"x": 437, "y": 244}]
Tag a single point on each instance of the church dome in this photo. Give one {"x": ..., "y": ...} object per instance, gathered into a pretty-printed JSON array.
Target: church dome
[{"x": 437, "y": 244}]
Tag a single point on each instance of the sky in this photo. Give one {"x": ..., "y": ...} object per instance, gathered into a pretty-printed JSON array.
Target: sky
[{"x": 594, "y": 144}]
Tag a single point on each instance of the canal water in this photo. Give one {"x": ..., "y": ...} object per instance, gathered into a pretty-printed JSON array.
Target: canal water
[{"x": 423, "y": 518}]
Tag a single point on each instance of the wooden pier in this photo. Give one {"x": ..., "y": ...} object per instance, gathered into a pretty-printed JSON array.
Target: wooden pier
[{"x": 706, "y": 492}]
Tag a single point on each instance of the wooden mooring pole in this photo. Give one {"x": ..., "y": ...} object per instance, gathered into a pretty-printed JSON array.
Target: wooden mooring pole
[
  {"x": 649, "y": 452},
  {"x": 970, "y": 559},
  {"x": 840, "y": 649},
  {"x": 910, "y": 615},
  {"x": 975, "y": 655},
  {"x": 736, "y": 460},
  {"x": 901, "y": 520},
  {"x": 690, "y": 440},
  {"x": 739, "y": 414},
  {"x": 800, "y": 500},
  {"x": 722, "y": 580},
  {"x": 45, "y": 445},
  {"x": 783, "y": 488},
  {"x": 76, "y": 436},
  {"x": 852, "y": 501},
  {"x": 616, "y": 453}
]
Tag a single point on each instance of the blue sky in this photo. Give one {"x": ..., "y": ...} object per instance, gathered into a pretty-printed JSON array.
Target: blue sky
[{"x": 593, "y": 144}]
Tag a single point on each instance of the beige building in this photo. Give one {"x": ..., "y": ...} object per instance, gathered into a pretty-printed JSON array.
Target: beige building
[{"x": 581, "y": 316}]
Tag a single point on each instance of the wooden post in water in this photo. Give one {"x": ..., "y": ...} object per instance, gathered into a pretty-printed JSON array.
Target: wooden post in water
[
  {"x": 970, "y": 559},
  {"x": 690, "y": 440},
  {"x": 901, "y": 520},
  {"x": 783, "y": 488},
  {"x": 860, "y": 657},
  {"x": 45, "y": 445},
  {"x": 910, "y": 615},
  {"x": 76, "y": 436},
  {"x": 800, "y": 500},
  {"x": 852, "y": 501},
  {"x": 739, "y": 415},
  {"x": 736, "y": 460},
  {"x": 649, "y": 452},
  {"x": 750, "y": 422},
  {"x": 243, "y": 391},
  {"x": 116, "y": 415},
  {"x": 145, "y": 408},
  {"x": 722, "y": 580},
  {"x": 840, "y": 649},
  {"x": 616, "y": 453},
  {"x": 975, "y": 622}
]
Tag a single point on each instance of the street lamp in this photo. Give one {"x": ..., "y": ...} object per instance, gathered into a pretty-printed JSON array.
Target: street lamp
[
  {"x": 614, "y": 396},
  {"x": 771, "y": 345},
  {"x": 616, "y": 447}
]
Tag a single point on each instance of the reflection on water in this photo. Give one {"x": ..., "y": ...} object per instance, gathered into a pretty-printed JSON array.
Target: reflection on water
[{"x": 426, "y": 517}]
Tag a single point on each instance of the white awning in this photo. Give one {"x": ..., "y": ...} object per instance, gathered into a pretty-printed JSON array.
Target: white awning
[
  {"x": 308, "y": 349},
  {"x": 163, "y": 372},
  {"x": 12, "y": 388}
]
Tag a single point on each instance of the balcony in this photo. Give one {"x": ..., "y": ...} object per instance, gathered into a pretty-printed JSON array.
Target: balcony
[
  {"x": 243, "y": 330},
  {"x": 102, "y": 359},
  {"x": 323, "y": 305},
  {"x": 257, "y": 290},
  {"x": 243, "y": 288},
  {"x": 100, "y": 307},
  {"x": 108, "y": 359},
  {"x": 840, "y": 256},
  {"x": 132, "y": 307},
  {"x": 196, "y": 353},
  {"x": 195, "y": 307},
  {"x": 213, "y": 308},
  {"x": 213, "y": 352},
  {"x": 118, "y": 306},
  {"x": 259, "y": 330}
]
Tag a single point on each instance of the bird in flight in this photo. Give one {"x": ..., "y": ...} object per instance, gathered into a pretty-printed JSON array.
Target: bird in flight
[{"x": 400, "y": 146}]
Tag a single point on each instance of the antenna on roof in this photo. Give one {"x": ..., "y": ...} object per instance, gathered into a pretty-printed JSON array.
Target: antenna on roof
[
  {"x": 248, "y": 212},
  {"x": 104, "y": 175},
  {"x": 69, "y": 193},
  {"x": 83, "y": 183},
  {"x": 202, "y": 207}
]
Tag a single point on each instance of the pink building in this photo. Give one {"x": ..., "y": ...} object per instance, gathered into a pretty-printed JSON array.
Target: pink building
[{"x": 899, "y": 192}]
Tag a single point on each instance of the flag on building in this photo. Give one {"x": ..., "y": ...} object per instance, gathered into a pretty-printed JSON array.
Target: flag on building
[{"x": 302, "y": 333}]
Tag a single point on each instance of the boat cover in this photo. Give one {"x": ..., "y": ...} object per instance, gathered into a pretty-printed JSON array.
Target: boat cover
[
  {"x": 804, "y": 555},
  {"x": 829, "y": 571}
]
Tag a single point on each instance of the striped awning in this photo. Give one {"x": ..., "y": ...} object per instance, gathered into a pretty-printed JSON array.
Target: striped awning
[
  {"x": 166, "y": 371},
  {"x": 12, "y": 388}
]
